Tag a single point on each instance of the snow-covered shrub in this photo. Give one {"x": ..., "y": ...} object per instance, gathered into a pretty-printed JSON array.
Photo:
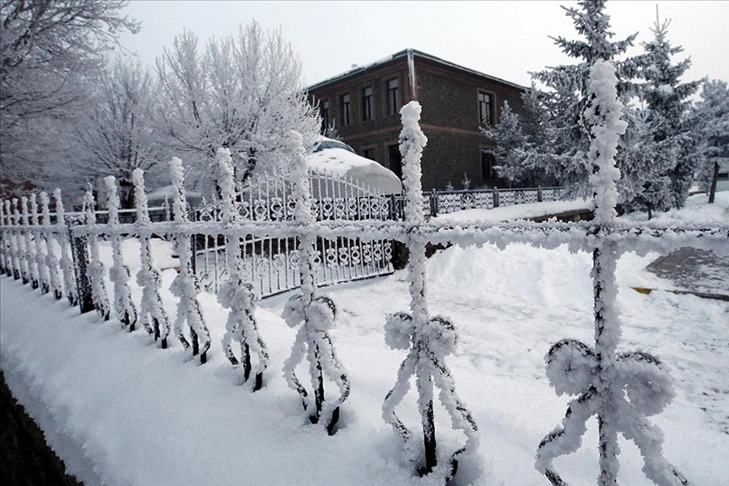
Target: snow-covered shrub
[
  {"x": 119, "y": 273},
  {"x": 601, "y": 377},
  {"x": 429, "y": 339},
  {"x": 235, "y": 294},
  {"x": 51, "y": 260},
  {"x": 185, "y": 284},
  {"x": 96, "y": 270},
  {"x": 315, "y": 314},
  {"x": 66, "y": 262},
  {"x": 151, "y": 311}
]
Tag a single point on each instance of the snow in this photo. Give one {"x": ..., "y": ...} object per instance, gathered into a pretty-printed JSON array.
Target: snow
[
  {"x": 345, "y": 164},
  {"x": 142, "y": 415}
]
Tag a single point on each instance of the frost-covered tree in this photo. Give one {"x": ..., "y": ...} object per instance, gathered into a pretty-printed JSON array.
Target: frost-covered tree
[
  {"x": 711, "y": 126},
  {"x": 115, "y": 130},
  {"x": 564, "y": 152},
  {"x": 665, "y": 164},
  {"x": 241, "y": 92},
  {"x": 47, "y": 49},
  {"x": 520, "y": 140}
]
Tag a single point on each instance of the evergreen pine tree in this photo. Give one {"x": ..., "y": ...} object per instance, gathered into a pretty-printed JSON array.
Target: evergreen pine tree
[
  {"x": 567, "y": 94},
  {"x": 711, "y": 117},
  {"x": 670, "y": 142}
]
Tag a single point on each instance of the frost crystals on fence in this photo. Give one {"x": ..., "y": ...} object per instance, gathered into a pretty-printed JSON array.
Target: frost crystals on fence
[
  {"x": 66, "y": 261},
  {"x": 315, "y": 314},
  {"x": 151, "y": 311},
  {"x": 429, "y": 340},
  {"x": 99, "y": 295},
  {"x": 602, "y": 377},
  {"x": 51, "y": 260},
  {"x": 185, "y": 284},
  {"x": 119, "y": 273},
  {"x": 235, "y": 294}
]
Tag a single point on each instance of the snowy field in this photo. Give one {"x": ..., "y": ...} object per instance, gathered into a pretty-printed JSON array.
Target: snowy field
[{"x": 119, "y": 411}]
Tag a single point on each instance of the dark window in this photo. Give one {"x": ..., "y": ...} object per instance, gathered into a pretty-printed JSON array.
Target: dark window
[
  {"x": 485, "y": 108},
  {"x": 367, "y": 103},
  {"x": 722, "y": 176},
  {"x": 487, "y": 165},
  {"x": 369, "y": 154},
  {"x": 392, "y": 98},
  {"x": 344, "y": 108},
  {"x": 395, "y": 159},
  {"x": 324, "y": 115}
]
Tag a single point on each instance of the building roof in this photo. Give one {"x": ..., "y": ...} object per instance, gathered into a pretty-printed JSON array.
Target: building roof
[{"x": 404, "y": 54}]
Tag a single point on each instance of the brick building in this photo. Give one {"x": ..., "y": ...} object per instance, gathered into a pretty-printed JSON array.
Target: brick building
[{"x": 363, "y": 104}]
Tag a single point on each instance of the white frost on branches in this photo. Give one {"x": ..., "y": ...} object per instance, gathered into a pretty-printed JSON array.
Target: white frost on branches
[{"x": 119, "y": 273}]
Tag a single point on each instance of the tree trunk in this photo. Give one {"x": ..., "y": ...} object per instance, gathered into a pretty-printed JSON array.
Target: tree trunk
[{"x": 714, "y": 179}]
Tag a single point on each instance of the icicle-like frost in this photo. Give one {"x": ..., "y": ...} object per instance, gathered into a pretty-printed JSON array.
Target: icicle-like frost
[
  {"x": 51, "y": 261},
  {"x": 185, "y": 285},
  {"x": 21, "y": 253},
  {"x": 99, "y": 294},
  {"x": 235, "y": 294},
  {"x": 315, "y": 314},
  {"x": 429, "y": 340},
  {"x": 621, "y": 389},
  {"x": 14, "y": 249},
  {"x": 151, "y": 311},
  {"x": 66, "y": 262},
  {"x": 119, "y": 273}
]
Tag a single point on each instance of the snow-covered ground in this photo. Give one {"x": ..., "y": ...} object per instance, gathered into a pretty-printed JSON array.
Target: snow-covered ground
[{"x": 120, "y": 411}]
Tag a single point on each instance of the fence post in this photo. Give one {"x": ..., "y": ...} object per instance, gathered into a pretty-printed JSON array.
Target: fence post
[
  {"x": 539, "y": 193},
  {"x": 433, "y": 204},
  {"x": 80, "y": 254},
  {"x": 496, "y": 197}
]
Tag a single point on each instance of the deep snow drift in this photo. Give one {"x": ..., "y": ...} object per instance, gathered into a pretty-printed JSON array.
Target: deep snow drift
[{"x": 121, "y": 411}]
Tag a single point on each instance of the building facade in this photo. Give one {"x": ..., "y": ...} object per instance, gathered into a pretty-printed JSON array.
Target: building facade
[{"x": 363, "y": 106}]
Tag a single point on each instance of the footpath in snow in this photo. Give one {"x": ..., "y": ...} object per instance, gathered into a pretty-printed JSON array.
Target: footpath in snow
[{"x": 120, "y": 411}]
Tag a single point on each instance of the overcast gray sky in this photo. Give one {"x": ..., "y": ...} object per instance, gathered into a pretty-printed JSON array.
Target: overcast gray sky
[{"x": 506, "y": 39}]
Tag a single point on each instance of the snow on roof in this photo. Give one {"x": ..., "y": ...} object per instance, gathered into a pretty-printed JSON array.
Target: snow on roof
[{"x": 413, "y": 52}]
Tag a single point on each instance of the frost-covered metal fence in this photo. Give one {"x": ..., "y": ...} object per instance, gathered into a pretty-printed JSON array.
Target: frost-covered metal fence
[
  {"x": 620, "y": 387},
  {"x": 271, "y": 264},
  {"x": 444, "y": 202}
]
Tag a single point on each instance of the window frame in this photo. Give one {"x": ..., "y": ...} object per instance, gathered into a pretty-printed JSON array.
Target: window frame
[
  {"x": 392, "y": 109},
  {"x": 491, "y": 107},
  {"x": 345, "y": 116},
  {"x": 491, "y": 176},
  {"x": 367, "y": 101}
]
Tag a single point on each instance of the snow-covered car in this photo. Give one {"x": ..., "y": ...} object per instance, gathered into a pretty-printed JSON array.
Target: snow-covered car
[{"x": 334, "y": 157}]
